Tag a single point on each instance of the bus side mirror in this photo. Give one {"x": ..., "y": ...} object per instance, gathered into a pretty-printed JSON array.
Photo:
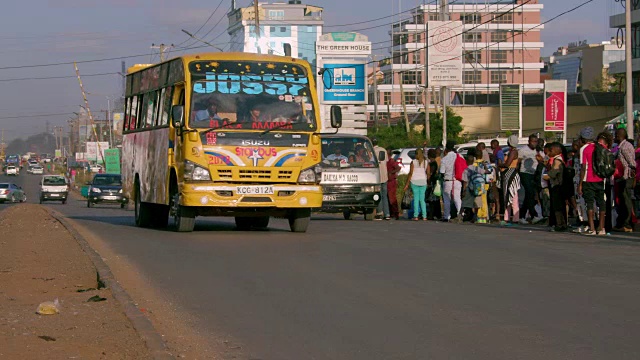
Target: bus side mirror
[
  {"x": 177, "y": 112},
  {"x": 382, "y": 156},
  {"x": 336, "y": 117}
]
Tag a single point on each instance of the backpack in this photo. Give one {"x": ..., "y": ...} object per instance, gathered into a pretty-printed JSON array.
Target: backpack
[
  {"x": 459, "y": 167},
  {"x": 476, "y": 182},
  {"x": 603, "y": 162}
]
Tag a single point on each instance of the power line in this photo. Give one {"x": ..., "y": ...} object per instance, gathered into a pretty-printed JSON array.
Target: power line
[
  {"x": 205, "y": 23},
  {"x": 58, "y": 77}
]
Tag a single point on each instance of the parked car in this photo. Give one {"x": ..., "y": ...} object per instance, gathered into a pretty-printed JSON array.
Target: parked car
[
  {"x": 106, "y": 188},
  {"x": 95, "y": 168},
  {"x": 404, "y": 157},
  {"x": 54, "y": 187},
  {"x": 11, "y": 192},
  {"x": 37, "y": 170},
  {"x": 12, "y": 170}
]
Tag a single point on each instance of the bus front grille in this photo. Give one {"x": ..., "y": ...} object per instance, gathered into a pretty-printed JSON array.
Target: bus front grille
[
  {"x": 254, "y": 174},
  {"x": 225, "y": 174}
]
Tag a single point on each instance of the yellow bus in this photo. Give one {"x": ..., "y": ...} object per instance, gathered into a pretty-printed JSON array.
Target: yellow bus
[{"x": 223, "y": 134}]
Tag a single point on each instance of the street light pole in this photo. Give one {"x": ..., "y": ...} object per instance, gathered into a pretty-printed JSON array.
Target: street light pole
[{"x": 629, "y": 71}]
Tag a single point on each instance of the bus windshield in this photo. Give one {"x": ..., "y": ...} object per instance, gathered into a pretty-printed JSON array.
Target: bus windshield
[
  {"x": 347, "y": 152},
  {"x": 251, "y": 95}
]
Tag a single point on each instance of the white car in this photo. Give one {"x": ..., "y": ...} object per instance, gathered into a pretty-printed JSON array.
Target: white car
[
  {"x": 12, "y": 170},
  {"x": 95, "y": 168},
  {"x": 37, "y": 170}
]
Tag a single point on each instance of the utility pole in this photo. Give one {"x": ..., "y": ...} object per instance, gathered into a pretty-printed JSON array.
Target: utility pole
[
  {"x": 257, "y": 24},
  {"x": 86, "y": 104},
  {"x": 427, "y": 102},
  {"x": 163, "y": 49},
  {"x": 375, "y": 91},
  {"x": 444, "y": 16},
  {"x": 404, "y": 106},
  {"x": 629, "y": 69}
]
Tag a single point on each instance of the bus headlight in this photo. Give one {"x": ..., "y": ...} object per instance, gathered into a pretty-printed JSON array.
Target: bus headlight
[
  {"x": 307, "y": 176},
  {"x": 195, "y": 172}
]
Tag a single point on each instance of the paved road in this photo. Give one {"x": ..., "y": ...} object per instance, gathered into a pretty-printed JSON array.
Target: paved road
[{"x": 390, "y": 290}]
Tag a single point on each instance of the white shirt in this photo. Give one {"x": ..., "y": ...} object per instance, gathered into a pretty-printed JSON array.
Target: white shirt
[
  {"x": 447, "y": 166},
  {"x": 528, "y": 157},
  {"x": 419, "y": 174},
  {"x": 384, "y": 175}
]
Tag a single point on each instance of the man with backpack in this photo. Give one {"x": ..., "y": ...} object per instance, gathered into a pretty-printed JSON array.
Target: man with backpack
[
  {"x": 452, "y": 175},
  {"x": 594, "y": 159}
]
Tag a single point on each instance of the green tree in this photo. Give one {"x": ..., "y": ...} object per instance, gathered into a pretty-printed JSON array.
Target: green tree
[
  {"x": 454, "y": 127},
  {"x": 395, "y": 136}
]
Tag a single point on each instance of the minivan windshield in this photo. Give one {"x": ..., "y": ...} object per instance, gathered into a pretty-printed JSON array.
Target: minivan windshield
[
  {"x": 356, "y": 152},
  {"x": 54, "y": 180}
]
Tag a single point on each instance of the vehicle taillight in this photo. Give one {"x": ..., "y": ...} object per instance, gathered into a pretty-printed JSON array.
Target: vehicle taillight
[{"x": 3, "y": 192}]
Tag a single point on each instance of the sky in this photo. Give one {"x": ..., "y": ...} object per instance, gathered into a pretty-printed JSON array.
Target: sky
[{"x": 37, "y": 32}]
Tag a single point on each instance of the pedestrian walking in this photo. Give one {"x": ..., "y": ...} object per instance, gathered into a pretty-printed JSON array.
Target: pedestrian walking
[
  {"x": 624, "y": 184},
  {"x": 591, "y": 185},
  {"x": 392, "y": 184},
  {"x": 452, "y": 186},
  {"x": 498, "y": 160},
  {"x": 417, "y": 179},
  {"x": 383, "y": 206},
  {"x": 528, "y": 157},
  {"x": 511, "y": 184}
]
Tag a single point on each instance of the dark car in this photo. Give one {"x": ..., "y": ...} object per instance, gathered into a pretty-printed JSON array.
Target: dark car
[{"x": 106, "y": 188}]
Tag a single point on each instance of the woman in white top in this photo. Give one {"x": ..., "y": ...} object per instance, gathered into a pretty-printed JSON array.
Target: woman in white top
[{"x": 418, "y": 177}]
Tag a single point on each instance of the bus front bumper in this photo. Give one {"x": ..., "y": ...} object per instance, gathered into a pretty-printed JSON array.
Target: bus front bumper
[{"x": 235, "y": 196}]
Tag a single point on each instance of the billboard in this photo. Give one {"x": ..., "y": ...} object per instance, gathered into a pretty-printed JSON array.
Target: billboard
[
  {"x": 344, "y": 82},
  {"x": 444, "y": 53},
  {"x": 112, "y": 161},
  {"x": 117, "y": 120},
  {"x": 555, "y": 105},
  {"x": 92, "y": 150},
  {"x": 510, "y": 107}
]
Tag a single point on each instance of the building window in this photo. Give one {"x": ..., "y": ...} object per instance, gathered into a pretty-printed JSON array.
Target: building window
[
  {"x": 499, "y": 56},
  {"x": 470, "y": 18},
  {"x": 498, "y": 77},
  {"x": 472, "y": 77},
  {"x": 504, "y": 18},
  {"x": 412, "y": 77},
  {"x": 272, "y": 29},
  {"x": 410, "y": 98},
  {"x": 473, "y": 57},
  {"x": 386, "y": 98},
  {"x": 416, "y": 57},
  {"x": 434, "y": 16},
  {"x": 400, "y": 39},
  {"x": 471, "y": 37},
  {"x": 499, "y": 36},
  {"x": 417, "y": 37},
  {"x": 276, "y": 14},
  {"x": 283, "y": 29}
]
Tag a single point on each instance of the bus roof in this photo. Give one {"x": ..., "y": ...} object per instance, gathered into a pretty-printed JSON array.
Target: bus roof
[{"x": 138, "y": 67}]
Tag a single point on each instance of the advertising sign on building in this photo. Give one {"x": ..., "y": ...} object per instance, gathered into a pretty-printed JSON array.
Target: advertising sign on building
[
  {"x": 555, "y": 105},
  {"x": 343, "y": 44},
  {"x": 344, "y": 82},
  {"x": 112, "y": 161},
  {"x": 118, "y": 118},
  {"x": 92, "y": 150},
  {"x": 444, "y": 53}
]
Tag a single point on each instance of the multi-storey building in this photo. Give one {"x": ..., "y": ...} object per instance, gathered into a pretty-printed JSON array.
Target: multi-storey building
[
  {"x": 617, "y": 21},
  {"x": 586, "y": 66},
  {"x": 294, "y": 23},
  {"x": 501, "y": 44}
]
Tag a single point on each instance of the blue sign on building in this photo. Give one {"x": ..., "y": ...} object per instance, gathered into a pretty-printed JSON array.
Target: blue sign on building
[{"x": 344, "y": 84}]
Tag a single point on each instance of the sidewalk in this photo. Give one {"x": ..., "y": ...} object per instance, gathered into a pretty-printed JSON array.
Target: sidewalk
[{"x": 40, "y": 261}]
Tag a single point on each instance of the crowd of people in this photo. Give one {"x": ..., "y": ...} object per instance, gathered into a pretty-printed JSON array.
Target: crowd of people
[{"x": 588, "y": 187}]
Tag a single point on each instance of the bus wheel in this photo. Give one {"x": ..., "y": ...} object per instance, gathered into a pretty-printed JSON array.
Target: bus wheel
[
  {"x": 369, "y": 214},
  {"x": 142, "y": 210},
  {"x": 243, "y": 223},
  {"x": 184, "y": 218},
  {"x": 161, "y": 216},
  {"x": 299, "y": 220},
  {"x": 261, "y": 222}
]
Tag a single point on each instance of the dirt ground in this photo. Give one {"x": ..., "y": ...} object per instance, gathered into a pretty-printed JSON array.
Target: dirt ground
[{"x": 40, "y": 261}]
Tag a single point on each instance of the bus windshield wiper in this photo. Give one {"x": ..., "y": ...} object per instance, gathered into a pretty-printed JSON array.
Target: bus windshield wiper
[{"x": 224, "y": 126}]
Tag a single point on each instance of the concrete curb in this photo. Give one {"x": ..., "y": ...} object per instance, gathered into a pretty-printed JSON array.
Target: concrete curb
[{"x": 141, "y": 323}]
